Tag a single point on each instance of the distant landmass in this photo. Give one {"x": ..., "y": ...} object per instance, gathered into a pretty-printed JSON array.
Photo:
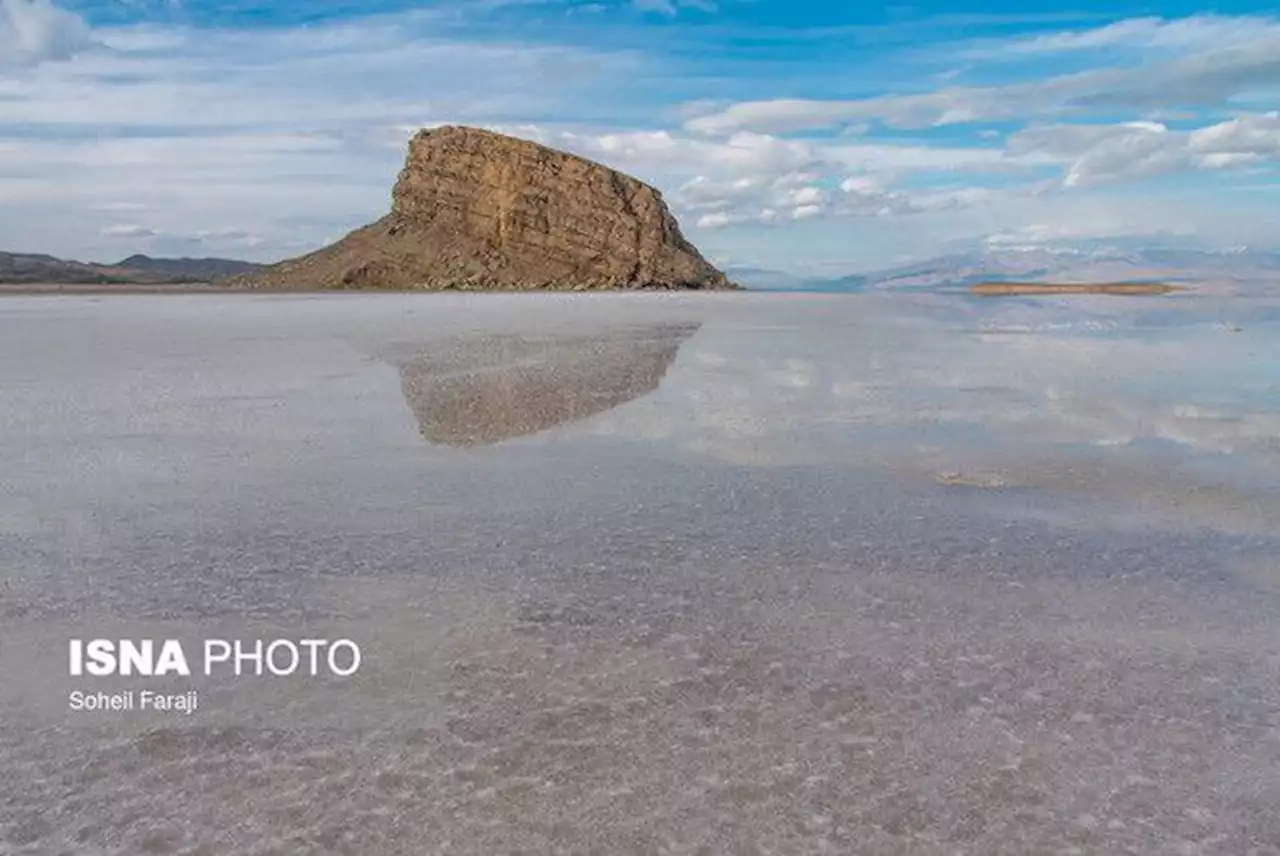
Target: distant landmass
[
  {"x": 765, "y": 279},
  {"x": 477, "y": 210},
  {"x": 36, "y": 269},
  {"x": 1025, "y": 289},
  {"x": 1079, "y": 265},
  {"x": 361, "y": 260},
  {"x": 201, "y": 269},
  {"x": 1072, "y": 266}
]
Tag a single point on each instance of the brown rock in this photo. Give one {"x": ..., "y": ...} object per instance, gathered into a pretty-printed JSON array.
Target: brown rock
[{"x": 474, "y": 209}]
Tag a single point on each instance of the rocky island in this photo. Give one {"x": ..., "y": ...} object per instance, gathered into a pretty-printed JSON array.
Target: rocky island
[{"x": 477, "y": 210}]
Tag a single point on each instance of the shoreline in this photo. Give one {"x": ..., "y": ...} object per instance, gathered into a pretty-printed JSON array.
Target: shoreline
[
  {"x": 94, "y": 289},
  {"x": 79, "y": 288},
  {"x": 997, "y": 289}
]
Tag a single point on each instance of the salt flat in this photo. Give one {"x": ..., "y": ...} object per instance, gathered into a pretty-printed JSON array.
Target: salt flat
[{"x": 648, "y": 573}]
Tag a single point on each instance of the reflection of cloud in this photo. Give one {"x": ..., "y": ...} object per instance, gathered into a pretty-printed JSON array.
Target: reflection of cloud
[
  {"x": 1174, "y": 427},
  {"x": 783, "y": 397}
]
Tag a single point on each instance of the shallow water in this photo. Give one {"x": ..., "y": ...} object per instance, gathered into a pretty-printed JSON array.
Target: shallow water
[{"x": 648, "y": 573}]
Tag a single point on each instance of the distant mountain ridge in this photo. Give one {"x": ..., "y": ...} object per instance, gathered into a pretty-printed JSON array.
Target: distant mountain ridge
[
  {"x": 1059, "y": 264},
  {"x": 1062, "y": 264},
  {"x": 40, "y": 269},
  {"x": 202, "y": 268}
]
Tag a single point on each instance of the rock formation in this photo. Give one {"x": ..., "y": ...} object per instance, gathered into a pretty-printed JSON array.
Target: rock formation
[{"x": 474, "y": 209}]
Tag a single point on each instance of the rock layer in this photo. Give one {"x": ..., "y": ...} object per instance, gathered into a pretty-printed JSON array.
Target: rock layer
[{"x": 474, "y": 209}]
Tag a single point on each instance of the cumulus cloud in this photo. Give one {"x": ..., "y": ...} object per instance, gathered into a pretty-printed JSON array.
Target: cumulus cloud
[
  {"x": 35, "y": 31},
  {"x": 1104, "y": 154},
  {"x": 742, "y": 152},
  {"x": 796, "y": 196},
  {"x": 1256, "y": 135}
]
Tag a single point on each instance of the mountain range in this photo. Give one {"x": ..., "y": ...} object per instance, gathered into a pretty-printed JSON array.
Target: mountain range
[
  {"x": 1232, "y": 270},
  {"x": 36, "y": 269},
  {"x": 1236, "y": 269}
]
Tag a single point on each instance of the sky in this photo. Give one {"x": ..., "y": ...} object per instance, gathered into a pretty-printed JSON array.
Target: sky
[{"x": 808, "y": 137}]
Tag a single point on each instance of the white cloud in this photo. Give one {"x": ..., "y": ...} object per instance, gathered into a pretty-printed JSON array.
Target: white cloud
[
  {"x": 127, "y": 230},
  {"x": 647, "y": 152},
  {"x": 789, "y": 197},
  {"x": 671, "y": 7},
  {"x": 1192, "y": 33},
  {"x": 226, "y": 236},
  {"x": 292, "y": 135},
  {"x": 296, "y": 135},
  {"x": 1205, "y": 78},
  {"x": 1102, "y": 154},
  {"x": 35, "y": 31},
  {"x": 376, "y": 72},
  {"x": 1248, "y": 135},
  {"x": 918, "y": 158}
]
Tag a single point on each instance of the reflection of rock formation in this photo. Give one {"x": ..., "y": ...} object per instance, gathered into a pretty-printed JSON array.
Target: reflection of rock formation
[{"x": 475, "y": 392}]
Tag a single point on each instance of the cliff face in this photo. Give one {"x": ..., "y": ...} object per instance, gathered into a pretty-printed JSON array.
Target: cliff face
[{"x": 473, "y": 209}]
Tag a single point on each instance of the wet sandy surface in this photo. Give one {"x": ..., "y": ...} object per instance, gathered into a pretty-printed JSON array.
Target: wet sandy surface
[{"x": 841, "y": 575}]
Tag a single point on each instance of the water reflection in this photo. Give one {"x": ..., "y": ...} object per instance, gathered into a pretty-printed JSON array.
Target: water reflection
[
  {"x": 608, "y": 640},
  {"x": 1172, "y": 419},
  {"x": 481, "y": 391}
]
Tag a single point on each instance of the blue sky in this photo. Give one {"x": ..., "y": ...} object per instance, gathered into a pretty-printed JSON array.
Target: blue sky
[{"x": 802, "y": 136}]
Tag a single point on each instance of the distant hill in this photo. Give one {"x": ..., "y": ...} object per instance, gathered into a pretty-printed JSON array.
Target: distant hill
[
  {"x": 768, "y": 279},
  {"x": 764, "y": 279},
  {"x": 1065, "y": 264},
  {"x": 38, "y": 269},
  {"x": 185, "y": 268},
  {"x": 31, "y": 269}
]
